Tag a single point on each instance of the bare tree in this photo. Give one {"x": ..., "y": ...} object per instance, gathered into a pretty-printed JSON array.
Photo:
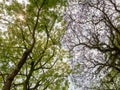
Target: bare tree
[{"x": 93, "y": 38}]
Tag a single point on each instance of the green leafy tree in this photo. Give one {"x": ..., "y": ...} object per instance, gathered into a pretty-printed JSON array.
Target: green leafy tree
[{"x": 31, "y": 56}]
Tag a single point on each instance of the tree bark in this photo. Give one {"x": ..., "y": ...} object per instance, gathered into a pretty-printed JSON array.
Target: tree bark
[{"x": 11, "y": 76}]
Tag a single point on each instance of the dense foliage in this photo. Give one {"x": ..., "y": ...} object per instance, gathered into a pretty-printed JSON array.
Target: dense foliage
[{"x": 31, "y": 56}]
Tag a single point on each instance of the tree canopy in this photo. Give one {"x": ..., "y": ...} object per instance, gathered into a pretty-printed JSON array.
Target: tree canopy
[
  {"x": 93, "y": 37},
  {"x": 46, "y": 44},
  {"x": 31, "y": 56}
]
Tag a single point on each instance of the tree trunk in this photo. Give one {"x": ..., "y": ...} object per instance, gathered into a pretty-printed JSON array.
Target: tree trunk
[{"x": 11, "y": 76}]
